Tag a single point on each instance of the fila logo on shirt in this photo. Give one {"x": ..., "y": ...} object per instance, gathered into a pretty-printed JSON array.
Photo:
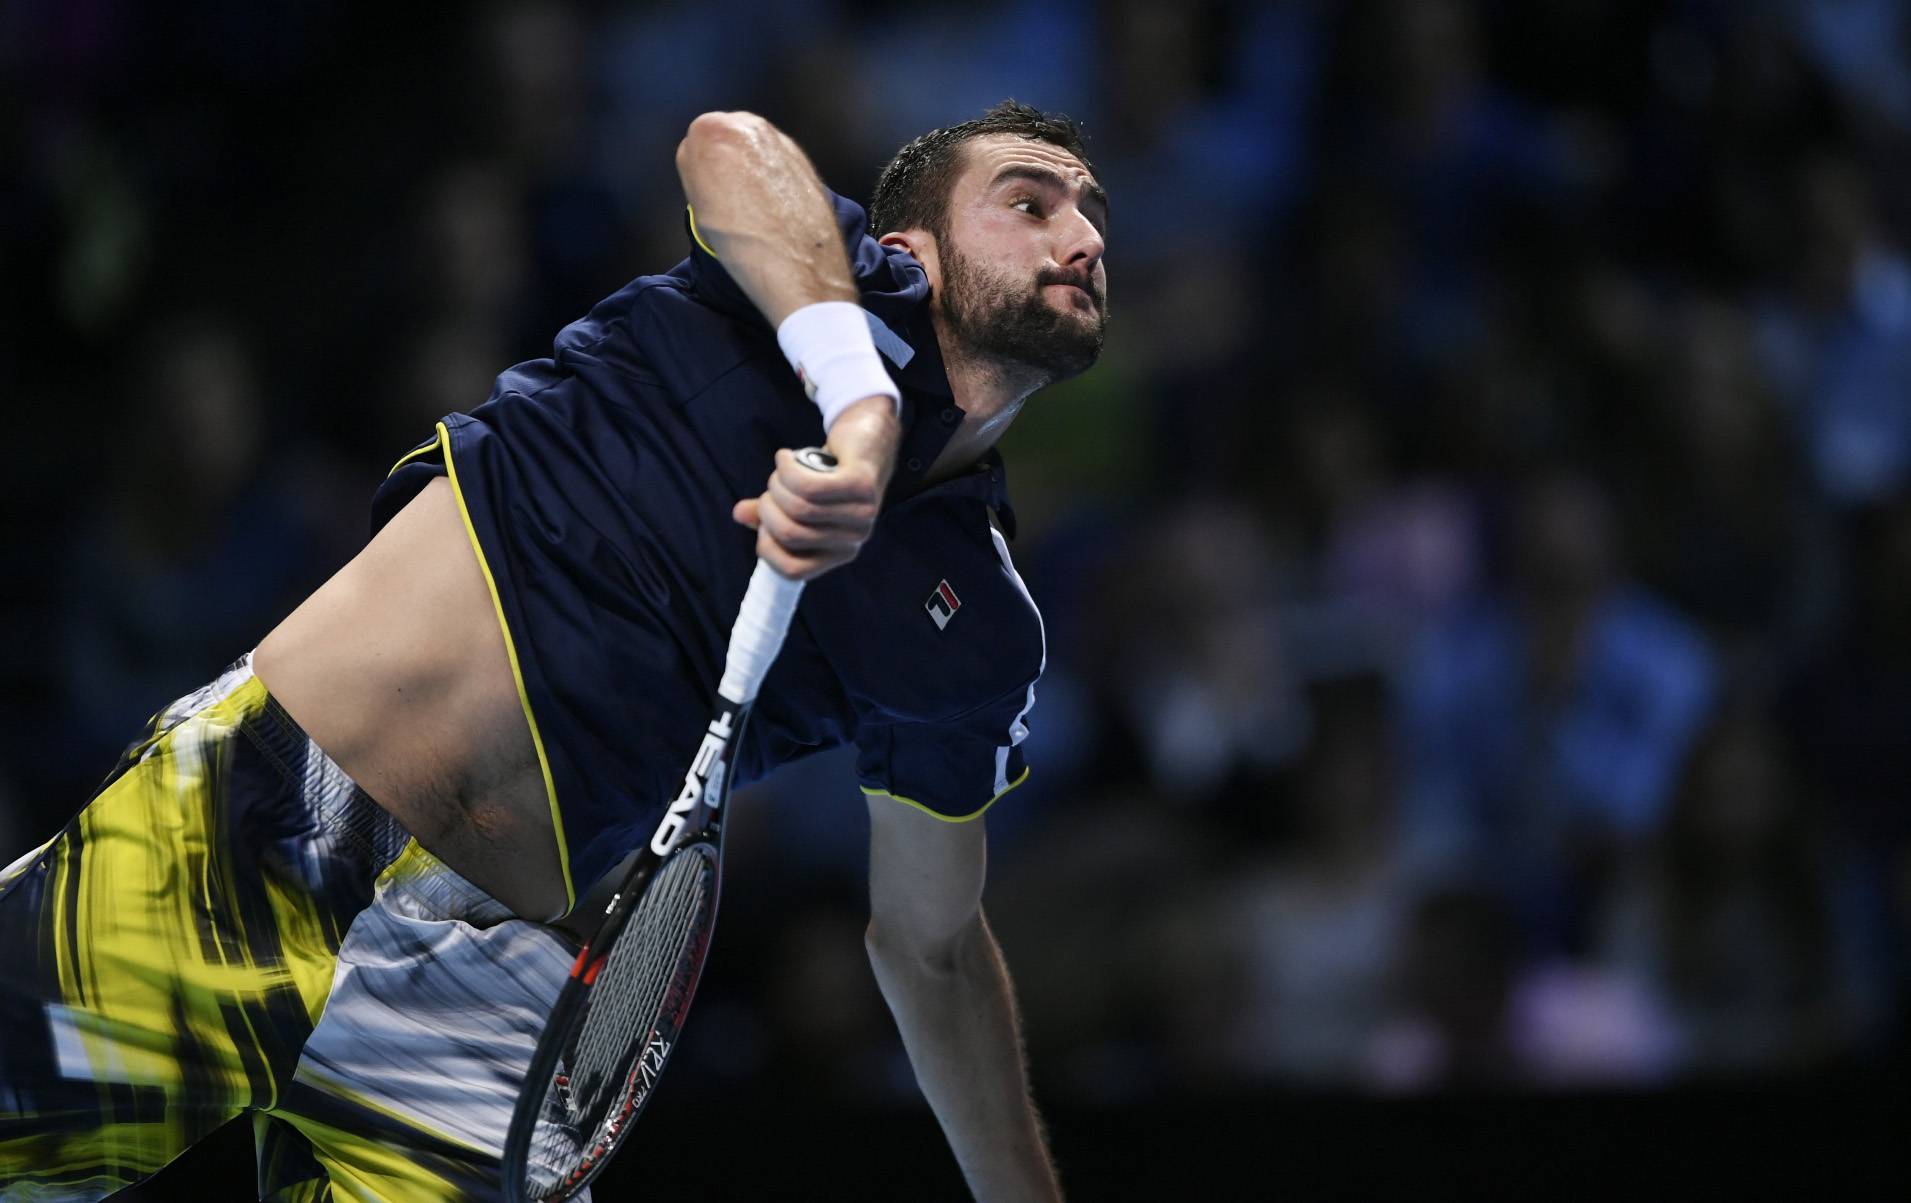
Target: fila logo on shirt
[{"x": 942, "y": 604}]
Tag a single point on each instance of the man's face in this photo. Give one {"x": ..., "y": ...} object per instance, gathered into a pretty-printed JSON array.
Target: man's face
[{"x": 1020, "y": 265}]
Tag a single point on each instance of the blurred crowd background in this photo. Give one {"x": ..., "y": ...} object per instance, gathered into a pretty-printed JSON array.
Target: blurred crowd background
[{"x": 1477, "y": 577}]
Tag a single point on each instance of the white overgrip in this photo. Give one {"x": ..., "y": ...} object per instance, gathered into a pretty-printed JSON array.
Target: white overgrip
[{"x": 768, "y": 605}]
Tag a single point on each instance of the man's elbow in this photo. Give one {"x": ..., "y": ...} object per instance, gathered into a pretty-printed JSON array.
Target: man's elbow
[
  {"x": 719, "y": 133},
  {"x": 893, "y": 945}
]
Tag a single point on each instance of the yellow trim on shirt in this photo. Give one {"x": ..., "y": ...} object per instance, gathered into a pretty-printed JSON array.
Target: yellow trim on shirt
[
  {"x": 694, "y": 234},
  {"x": 883, "y": 793},
  {"x": 413, "y": 454},
  {"x": 511, "y": 652}
]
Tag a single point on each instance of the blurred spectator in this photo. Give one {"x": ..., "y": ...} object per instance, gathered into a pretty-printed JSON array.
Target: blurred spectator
[
  {"x": 1124, "y": 976},
  {"x": 1720, "y": 517},
  {"x": 1316, "y": 926},
  {"x": 935, "y": 59},
  {"x": 1472, "y": 1012},
  {"x": 473, "y": 256},
  {"x": 1195, "y": 661},
  {"x": 1576, "y": 1024},
  {"x": 1742, "y": 914},
  {"x": 1390, "y": 555},
  {"x": 1453, "y": 983},
  {"x": 446, "y": 367},
  {"x": 199, "y": 541},
  {"x": 1461, "y": 155},
  {"x": 827, "y": 1022},
  {"x": 1861, "y": 44},
  {"x": 1851, "y": 708},
  {"x": 1211, "y": 130},
  {"x": 1545, "y": 725},
  {"x": 1836, "y": 337}
]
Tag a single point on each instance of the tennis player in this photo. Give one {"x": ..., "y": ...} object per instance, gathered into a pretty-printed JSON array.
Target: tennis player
[{"x": 321, "y": 889}]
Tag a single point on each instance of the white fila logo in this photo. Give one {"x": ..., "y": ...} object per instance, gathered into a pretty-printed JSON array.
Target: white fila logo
[{"x": 942, "y": 604}]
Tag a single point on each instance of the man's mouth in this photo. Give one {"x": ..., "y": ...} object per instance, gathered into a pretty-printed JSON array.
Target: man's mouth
[{"x": 1074, "y": 287}]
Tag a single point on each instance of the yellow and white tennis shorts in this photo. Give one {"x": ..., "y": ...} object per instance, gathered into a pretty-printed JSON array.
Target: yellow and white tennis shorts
[{"x": 231, "y": 925}]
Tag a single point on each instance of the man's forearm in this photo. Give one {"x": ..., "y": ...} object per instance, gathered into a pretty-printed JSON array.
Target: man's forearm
[
  {"x": 957, "y": 1016},
  {"x": 757, "y": 204}
]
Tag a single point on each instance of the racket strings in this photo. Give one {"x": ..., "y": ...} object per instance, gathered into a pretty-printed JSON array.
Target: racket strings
[
  {"x": 628, "y": 998},
  {"x": 615, "y": 1055}
]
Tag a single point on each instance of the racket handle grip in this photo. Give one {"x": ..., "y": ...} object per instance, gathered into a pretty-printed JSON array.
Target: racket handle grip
[{"x": 768, "y": 605}]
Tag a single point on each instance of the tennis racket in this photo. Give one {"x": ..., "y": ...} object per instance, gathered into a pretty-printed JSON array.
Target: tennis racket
[{"x": 622, "y": 1009}]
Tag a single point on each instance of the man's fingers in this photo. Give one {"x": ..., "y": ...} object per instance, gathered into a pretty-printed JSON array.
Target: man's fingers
[
  {"x": 855, "y": 515},
  {"x": 798, "y": 566},
  {"x": 808, "y": 522},
  {"x": 801, "y": 536},
  {"x": 851, "y": 481}
]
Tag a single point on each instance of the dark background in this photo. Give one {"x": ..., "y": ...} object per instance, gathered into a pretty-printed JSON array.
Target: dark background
[{"x": 1472, "y": 757}]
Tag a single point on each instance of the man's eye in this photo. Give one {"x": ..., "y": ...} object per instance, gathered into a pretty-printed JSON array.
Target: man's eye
[{"x": 1033, "y": 206}]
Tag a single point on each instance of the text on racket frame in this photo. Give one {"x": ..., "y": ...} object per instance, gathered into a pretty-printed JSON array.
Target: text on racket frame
[{"x": 703, "y": 781}]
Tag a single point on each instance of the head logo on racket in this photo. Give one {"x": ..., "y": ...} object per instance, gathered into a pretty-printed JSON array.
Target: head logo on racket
[{"x": 703, "y": 782}]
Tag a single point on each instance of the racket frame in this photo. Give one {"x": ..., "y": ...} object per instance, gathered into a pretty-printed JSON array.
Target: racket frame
[
  {"x": 704, "y": 827},
  {"x": 693, "y": 818}
]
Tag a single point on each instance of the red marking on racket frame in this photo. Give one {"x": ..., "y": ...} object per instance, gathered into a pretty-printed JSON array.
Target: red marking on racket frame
[
  {"x": 577, "y": 966},
  {"x": 590, "y": 975},
  {"x": 683, "y": 987},
  {"x": 612, "y": 1127}
]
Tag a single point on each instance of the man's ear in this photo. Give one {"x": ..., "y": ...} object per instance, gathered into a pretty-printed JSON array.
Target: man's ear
[{"x": 921, "y": 245}]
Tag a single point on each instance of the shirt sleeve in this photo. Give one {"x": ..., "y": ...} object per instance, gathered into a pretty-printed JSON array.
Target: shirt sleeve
[
  {"x": 953, "y": 770},
  {"x": 413, "y": 471}
]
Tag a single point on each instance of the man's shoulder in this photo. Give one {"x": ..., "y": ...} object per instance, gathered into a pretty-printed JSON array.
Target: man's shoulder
[{"x": 657, "y": 330}]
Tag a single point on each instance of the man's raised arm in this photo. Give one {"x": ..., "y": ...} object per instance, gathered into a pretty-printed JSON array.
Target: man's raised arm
[
  {"x": 942, "y": 974},
  {"x": 759, "y": 207},
  {"x": 763, "y": 212}
]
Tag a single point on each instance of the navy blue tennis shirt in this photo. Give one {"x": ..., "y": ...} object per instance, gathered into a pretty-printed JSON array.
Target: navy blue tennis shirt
[{"x": 597, "y": 486}]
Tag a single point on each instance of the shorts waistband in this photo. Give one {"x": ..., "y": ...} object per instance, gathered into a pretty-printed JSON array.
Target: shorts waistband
[
  {"x": 423, "y": 886},
  {"x": 340, "y": 804}
]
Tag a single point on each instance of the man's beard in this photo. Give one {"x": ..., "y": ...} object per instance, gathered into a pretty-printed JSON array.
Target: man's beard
[{"x": 991, "y": 318}]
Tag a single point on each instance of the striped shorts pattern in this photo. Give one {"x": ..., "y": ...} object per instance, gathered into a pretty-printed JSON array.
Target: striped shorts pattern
[{"x": 232, "y": 926}]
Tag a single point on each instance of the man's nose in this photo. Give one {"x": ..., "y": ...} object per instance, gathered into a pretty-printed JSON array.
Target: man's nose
[{"x": 1082, "y": 245}]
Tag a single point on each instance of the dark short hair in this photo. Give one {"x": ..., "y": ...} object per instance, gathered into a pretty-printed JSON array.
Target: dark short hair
[{"x": 913, "y": 191}]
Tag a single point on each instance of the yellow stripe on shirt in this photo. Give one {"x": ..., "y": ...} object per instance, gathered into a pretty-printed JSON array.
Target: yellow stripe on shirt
[
  {"x": 694, "y": 234},
  {"x": 517, "y": 674}
]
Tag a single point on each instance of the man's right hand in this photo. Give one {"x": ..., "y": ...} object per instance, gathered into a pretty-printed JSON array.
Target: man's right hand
[{"x": 808, "y": 522}]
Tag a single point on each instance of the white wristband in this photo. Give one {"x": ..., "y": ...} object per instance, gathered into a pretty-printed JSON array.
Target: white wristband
[{"x": 829, "y": 346}]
